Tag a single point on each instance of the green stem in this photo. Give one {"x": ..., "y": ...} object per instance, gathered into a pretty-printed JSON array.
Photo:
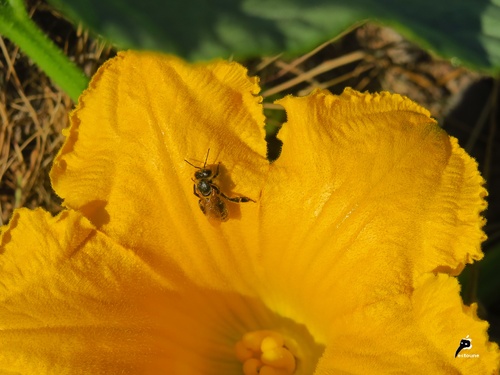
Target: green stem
[{"x": 16, "y": 25}]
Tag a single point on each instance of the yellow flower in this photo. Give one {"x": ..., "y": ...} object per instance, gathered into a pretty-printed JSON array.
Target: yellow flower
[{"x": 344, "y": 264}]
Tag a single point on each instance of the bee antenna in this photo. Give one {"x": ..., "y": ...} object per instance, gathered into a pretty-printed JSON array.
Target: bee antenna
[
  {"x": 191, "y": 164},
  {"x": 206, "y": 158}
]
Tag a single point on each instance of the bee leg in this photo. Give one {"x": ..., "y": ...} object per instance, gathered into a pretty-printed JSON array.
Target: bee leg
[
  {"x": 237, "y": 199},
  {"x": 202, "y": 206},
  {"x": 216, "y": 171},
  {"x": 195, "y": 192}
]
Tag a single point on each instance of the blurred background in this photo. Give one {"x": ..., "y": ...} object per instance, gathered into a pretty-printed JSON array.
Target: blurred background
[{"x": 33, "y": 111}]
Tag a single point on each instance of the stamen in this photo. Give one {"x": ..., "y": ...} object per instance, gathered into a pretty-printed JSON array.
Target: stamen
[{"x": 265, "y": 353}]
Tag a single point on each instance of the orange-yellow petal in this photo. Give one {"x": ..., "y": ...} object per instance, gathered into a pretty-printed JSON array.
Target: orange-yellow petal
[
  {"x": 367, "y": 194},
  {"x": 382, "y": 157},
  {"x": 367, "y": 199},
  {"x": 415, "y": 334},
  {"x": 124, "y": 162},
  {"x": 73, "y": 301}
]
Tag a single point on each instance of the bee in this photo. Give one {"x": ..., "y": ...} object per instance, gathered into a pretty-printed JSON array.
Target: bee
[{"x": 211, "y": 203}]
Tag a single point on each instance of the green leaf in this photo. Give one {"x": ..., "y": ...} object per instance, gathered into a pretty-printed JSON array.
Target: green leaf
[
  {"x": 468, "y": 30},
  {"x": 481, "y": 280},
  {"x": 489, "y": 278},
  {"x": 16, "y": 25}
]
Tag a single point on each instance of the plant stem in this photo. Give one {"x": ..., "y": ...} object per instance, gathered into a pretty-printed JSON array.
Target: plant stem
[{"x": 16, "y": 25}]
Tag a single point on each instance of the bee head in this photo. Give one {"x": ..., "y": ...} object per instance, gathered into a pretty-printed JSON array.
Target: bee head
[{"x": 202, "y": 174}]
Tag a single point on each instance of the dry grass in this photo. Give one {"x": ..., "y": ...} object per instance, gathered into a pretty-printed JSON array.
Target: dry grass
[
  {"x": 33, "y": 112},
  {"x": 368, "y": 58}
]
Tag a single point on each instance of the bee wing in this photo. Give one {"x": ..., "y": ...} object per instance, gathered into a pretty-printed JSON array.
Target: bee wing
[{"x": 215, "y": 208}]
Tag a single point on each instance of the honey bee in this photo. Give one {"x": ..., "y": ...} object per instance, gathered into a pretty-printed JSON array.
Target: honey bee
[{"x": 211, "y": 203}]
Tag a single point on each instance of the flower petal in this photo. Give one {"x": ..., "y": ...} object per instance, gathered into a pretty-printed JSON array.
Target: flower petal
[
  {"x": 368, "y": 194},
  {"x": 418, "y": 335},
  {"x": 385, "y": 197},
  {"x": 74, "y": 302},
  {"x": 382, "y": 157},
  {"x": 123, "y": 164}
]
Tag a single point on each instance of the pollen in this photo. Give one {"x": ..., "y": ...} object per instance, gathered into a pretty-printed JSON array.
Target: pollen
[{"x": 265, "y": 353}]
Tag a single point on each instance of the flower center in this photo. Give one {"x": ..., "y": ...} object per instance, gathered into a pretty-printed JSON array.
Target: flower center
[{"x": 265, "y": 353}]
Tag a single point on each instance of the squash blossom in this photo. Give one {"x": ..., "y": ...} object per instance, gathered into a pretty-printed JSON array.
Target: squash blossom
[{"x": 346, "y": 262}]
